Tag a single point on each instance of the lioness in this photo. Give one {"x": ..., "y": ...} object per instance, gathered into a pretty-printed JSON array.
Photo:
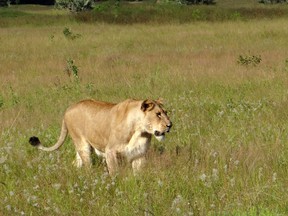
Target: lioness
[{"x": 114, "y": 131}]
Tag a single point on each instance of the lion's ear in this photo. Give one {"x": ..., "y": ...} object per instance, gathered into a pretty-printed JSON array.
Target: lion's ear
[
  {"x": 147, "y": 105},
  {"x": 160, "y": 101}
]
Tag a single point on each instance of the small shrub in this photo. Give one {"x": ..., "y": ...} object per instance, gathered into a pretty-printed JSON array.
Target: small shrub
[
  {"x": 72, "y": 69},
  {"x": 69, "y": 35},
  {"x": 249, "y": 60},
  {"x": 14, "y": 97},
  {"x": 1, "y": 101},
  {"x": 286, "y": 65},
  {"x": 235, "y": 16}
]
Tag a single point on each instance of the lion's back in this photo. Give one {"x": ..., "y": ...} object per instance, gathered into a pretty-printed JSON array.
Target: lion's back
[{"x": 88, "y": 112}]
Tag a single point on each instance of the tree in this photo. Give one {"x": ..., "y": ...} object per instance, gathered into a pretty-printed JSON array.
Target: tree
[
  {"x": 3, "y": 3},
  {"x": 75, "y": 5},
  {"x": 200, "y": 2}
]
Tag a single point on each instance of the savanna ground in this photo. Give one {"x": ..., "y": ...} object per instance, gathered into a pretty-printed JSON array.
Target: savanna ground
[{"x": 225, "y": 87}]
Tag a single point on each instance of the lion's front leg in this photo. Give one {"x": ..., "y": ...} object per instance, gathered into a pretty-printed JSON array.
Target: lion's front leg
[
  {"x": 112, "y": 162},
  {"x": 138, "y": 164}
]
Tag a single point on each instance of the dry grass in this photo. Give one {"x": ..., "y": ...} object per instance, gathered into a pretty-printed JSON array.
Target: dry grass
[{"x": 229, "y": 120}]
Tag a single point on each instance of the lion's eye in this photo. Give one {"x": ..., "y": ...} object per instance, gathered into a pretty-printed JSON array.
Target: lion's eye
[{"x": 158, "y": 114}]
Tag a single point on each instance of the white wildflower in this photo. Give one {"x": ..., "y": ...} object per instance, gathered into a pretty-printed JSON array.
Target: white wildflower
[
  {"x": 33, "y": 198},
  {"x": 36, "y": 187},
  {"x": 57, "y": 210},
  {"x": 108, "y": 186},
  {"x": 6, "y": 168},
  {"x": 160, "y": 183},
  {"x": 215, "y": 154},
  {"x": 8, "y": 207},
  {"x": 147, "y": 212},
  {"x": 221, "y": 113},
  {"x": 215, "y": 174},
  {"x": 118, "y": 192},
  {"x": 56, "y": 186},
  {"x": 35, "y": 205},
  {"x": 176, "y": 201},
  {"x": 225, "y": 168},
  {"x": 3, "y": 159},
  {"x": 203, "y": 177},
  {"x": 236, "y": 163},
  {"x": 232, "y": 182},
  {"x": 274, "y": 177},
  {"x": 46, "y": 208},
  {"x": 196, "y": 162},
  {"x": 260, "y": 172}
]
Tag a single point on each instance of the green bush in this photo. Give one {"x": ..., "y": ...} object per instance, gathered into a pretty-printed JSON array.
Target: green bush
[
  {"x": 199, "y": 2},
  {"x": 272, "y": 1},
  {"x": 1, "y": 101},
  {"x": 72, "y": 69},
  {"x": 69, "y": 35},
  {"x": 74, "y": 5},
  {"x": 249, "y": 60}
]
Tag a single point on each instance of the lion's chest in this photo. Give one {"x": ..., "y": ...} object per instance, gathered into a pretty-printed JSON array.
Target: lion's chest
[{"x": 137, "y": 146}]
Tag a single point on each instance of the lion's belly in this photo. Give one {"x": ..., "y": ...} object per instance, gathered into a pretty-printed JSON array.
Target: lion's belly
[{"x": 97, "y": 142}]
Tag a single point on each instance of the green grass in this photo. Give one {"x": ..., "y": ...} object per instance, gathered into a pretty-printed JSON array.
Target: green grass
[
  {"x": 227, "y": 151},
  {"x": 32, "y": 15}
]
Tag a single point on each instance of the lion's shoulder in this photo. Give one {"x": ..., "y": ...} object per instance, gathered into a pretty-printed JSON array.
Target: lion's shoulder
[
  {"x": 129, "y": 106},
  {"x": 127, "y": 109}
]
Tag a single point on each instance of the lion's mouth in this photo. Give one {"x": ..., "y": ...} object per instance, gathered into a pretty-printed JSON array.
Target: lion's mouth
[
  {"x": 158, "y": 133},
  {"x": 160, "y": 136}
]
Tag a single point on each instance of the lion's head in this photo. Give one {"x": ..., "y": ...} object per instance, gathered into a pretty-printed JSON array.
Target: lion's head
[{"x": 156, "y": 120}]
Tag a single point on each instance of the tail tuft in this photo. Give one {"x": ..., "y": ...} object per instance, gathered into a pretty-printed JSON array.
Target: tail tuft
[{"x": 34, "y": 141}]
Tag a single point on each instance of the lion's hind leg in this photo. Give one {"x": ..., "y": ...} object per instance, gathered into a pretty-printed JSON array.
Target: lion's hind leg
[
  {"x": 78, "y": 161},
  {"x": 83, "y": 155}
]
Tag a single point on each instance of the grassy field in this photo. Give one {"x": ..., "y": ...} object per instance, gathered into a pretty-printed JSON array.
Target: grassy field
[{"x": 224, "y": 85}]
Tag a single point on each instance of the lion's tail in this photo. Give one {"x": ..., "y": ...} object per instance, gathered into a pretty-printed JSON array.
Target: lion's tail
[{"x": 34, "y": 141}]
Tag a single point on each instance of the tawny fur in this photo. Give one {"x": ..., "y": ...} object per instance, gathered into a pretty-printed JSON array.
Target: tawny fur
[{"x": 124, "y": 129}]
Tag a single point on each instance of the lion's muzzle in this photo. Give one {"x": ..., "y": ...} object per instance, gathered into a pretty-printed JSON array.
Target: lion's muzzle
[
  {"x": 168, "y": 127},
  {"x": 161, "y": 135}
]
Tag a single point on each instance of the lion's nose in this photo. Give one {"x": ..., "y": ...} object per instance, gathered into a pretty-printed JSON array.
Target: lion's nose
[{"x": 169, "y": 125}]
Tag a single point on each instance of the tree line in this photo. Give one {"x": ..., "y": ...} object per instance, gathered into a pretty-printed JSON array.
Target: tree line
[{"x": 78, "y": 5}]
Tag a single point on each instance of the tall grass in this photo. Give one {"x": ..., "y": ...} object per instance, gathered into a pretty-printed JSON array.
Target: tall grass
[{"x": 227, "y": 151}]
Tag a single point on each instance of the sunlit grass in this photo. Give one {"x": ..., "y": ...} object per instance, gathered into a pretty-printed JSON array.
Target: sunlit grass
[{"x": 226, "y": 153}]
